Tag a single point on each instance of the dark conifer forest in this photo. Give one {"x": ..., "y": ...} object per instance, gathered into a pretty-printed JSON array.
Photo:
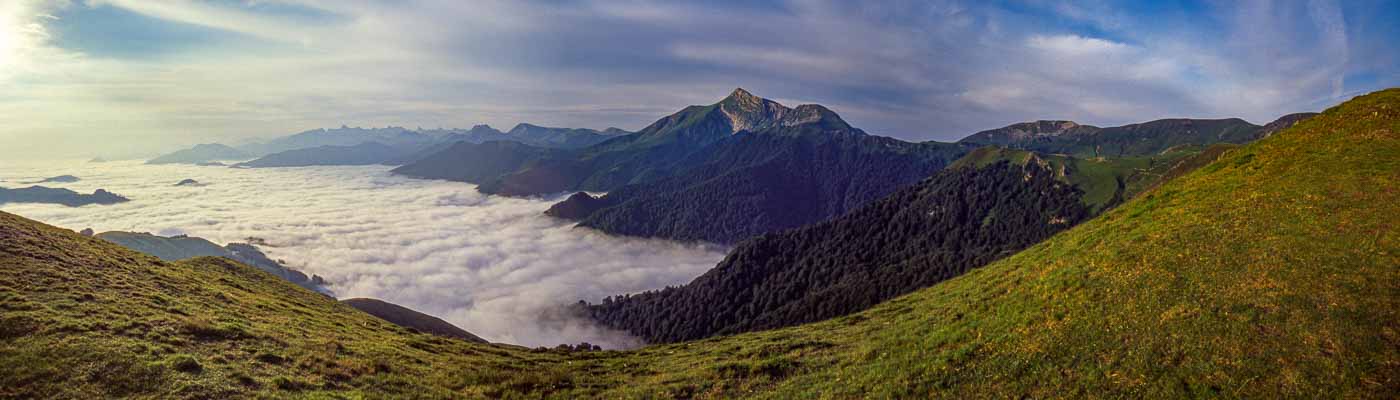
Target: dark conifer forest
[{"x": 920, "y": 235}]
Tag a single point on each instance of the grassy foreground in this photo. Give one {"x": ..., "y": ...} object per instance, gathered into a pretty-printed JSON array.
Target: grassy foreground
[{"x": 1272, "y": 272}]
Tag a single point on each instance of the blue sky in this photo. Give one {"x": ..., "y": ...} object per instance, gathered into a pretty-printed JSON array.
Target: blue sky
[{"x": 132, "y": 77}]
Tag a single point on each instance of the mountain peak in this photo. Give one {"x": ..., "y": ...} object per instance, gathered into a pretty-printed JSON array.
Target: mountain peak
[
  {"x": 741, "y": 94},
  {"x": 522, "y": 128},
  {"x": 747, "y": 112}
]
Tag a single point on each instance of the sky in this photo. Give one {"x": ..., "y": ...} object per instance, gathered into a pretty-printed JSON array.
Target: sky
[{"x": 133, "y": 78}]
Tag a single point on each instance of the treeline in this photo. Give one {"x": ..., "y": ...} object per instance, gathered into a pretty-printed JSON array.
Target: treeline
[{"x": 920, "y": 235}]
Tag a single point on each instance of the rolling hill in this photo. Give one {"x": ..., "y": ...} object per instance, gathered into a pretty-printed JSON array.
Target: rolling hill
[
  {"x": 1269, "y": 272},
  {"x": 1133, "y": 140},
  {"x": 405, "y": 317},
  {"x": 183, "y": 247}
]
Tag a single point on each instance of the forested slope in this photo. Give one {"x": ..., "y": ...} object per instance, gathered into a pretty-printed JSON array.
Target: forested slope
[{"x": 931, "y": 231}]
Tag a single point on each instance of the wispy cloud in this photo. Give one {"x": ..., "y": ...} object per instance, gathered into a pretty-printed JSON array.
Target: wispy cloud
[{"x": 916, "y": 70}]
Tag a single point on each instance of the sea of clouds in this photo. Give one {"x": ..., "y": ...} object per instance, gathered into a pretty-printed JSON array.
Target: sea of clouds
[{"x": 495, "y": 266}]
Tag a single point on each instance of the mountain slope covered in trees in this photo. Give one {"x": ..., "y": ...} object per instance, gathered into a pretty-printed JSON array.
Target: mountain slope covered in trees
[{"x": 956, "y": 220}]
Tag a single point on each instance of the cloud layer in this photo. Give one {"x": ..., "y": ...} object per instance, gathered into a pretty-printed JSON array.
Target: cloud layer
[
  {"x": 493, "y": 265},
  {"x": 149, "y": 75}
]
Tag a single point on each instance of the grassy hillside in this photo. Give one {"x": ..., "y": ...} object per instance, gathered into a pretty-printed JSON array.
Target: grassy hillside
[
  {"x": 1269, "y": 273},
  {"x": 1106, "y": 182},
  {"x": 83, "y": 318}
]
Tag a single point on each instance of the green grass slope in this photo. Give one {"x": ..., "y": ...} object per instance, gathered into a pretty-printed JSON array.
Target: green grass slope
[
  {"x": 83, "y": 318},
  {"x": 1106, "y": 182},
  {"x": 1272, "y": 272}
]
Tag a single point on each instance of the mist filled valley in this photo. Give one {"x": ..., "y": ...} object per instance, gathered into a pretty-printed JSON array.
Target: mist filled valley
[{"x": 495, "y": 264}]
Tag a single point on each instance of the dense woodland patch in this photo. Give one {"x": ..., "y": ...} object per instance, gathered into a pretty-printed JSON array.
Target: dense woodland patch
[{"x": 921, "y": 235}]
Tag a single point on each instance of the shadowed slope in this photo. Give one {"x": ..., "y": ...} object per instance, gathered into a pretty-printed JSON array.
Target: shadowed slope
[{"x": 405, "y": 317}]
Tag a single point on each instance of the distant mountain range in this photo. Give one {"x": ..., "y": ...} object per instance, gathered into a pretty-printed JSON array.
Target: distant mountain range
[
  {"x": 365, "y": 146},
  {"x": 721, "y": 173},
  {"x": 202, "y": 153},
  {"x": 368, "y": 153},
  {"x": 41, "y": 194}
]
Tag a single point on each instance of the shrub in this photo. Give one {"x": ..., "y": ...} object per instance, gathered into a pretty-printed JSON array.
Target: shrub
[{"x": 186, "y": 363}]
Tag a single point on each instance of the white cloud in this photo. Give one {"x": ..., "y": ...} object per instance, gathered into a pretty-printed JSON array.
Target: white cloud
[
  {"x": 1078, "y": 46},
  {"x": 494, "y": 266}
]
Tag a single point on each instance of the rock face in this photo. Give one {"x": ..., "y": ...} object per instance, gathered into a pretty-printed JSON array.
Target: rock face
[{"x": 405, "y": 317}]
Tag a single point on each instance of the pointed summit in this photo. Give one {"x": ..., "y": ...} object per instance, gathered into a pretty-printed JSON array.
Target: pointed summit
[
  {"x": 743, "y": 95},
  {"x": 741, "y": 111}
]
